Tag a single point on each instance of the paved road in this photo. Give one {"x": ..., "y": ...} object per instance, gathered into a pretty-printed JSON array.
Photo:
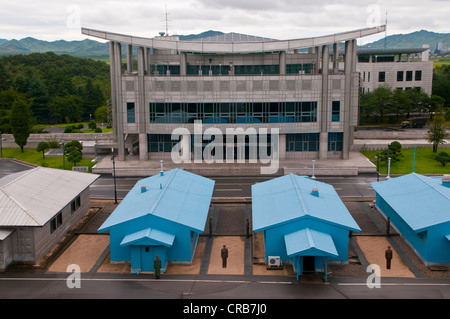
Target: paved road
[
  {"x": 356, "y": 186},
  {"x": 126, "y": 286}
]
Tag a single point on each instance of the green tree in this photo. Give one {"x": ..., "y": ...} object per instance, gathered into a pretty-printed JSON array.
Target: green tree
[
  {"x": 381, "y": 100},
  {"x": 74, "y": 151},
  {"x": 21, "y": 121},
  {"x": 394, "y": 152},
  {"x": 101, "y": 114},
  {"x": 65, "y": 109},
  {"x": 39, "y": 93},
  {"x": 438, "y": 131},
  {"x": 42, "y": 147},
  {"x": 443, "y": 158}
]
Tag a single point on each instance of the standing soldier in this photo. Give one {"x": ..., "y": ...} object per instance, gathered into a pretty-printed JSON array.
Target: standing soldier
[
  {"x": 157, "y": 266},
  {"x": 388, "y": 255},
  {"x": 224, "y": 254}
]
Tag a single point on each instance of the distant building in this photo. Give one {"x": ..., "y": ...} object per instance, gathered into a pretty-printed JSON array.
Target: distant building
[
  {"x": 419, "y": 208},
  {"x": 304, "y": 222},
  {"x": 395, "y": 68},
  {"x": 235, "y": 81},
  {"x": 37, "y": 209},
  {"x": 161, "y": 215}
]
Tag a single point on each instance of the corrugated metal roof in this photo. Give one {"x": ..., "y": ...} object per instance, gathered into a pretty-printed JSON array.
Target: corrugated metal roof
[
  {"x": 421, "y": 201},
  {"x": 148, "y": 236},
  {"x": 309, "y": 242},
  {"x": 33, "y": 197},
  {"x": 178, "y": 196},
  {"x": 290, "y": 197}
]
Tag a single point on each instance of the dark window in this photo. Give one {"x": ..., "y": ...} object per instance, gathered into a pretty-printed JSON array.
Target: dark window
[
  {"x": 400, "y": 75},
  {"x": 335, "y": 142},
  {"x": 302, "y": 142},
  {"x": 55, "y": 222},
  {"x": 382, "y": 76},
  {"x": 418, "y": 75},
  {"x": 335, "y": 111},
  {"x": 131, "y": 117},
  {"x": 409, "y": 75}
]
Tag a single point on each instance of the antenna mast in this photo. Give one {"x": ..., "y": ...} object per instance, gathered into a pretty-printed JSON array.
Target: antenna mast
[{"x": 167, "y": 22}]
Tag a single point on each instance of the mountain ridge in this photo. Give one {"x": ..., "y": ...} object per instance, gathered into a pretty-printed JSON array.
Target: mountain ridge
[{"x": 88, "y": 48}]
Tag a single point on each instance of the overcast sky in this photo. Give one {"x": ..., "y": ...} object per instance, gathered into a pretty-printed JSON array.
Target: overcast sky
[{"x": 279, "y": 19}]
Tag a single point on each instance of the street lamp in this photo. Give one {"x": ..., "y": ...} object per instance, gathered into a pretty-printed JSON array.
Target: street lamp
[{"x": 114, "y": 176}]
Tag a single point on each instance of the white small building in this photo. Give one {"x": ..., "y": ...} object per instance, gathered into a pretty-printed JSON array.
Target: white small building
[{"x": 37, "y": 208}]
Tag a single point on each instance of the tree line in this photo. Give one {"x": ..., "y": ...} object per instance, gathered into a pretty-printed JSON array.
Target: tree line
[{"x": 51, "y": 88}]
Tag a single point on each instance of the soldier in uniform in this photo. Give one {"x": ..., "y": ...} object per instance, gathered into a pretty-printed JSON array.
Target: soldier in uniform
[
  {"x": 224, "y": 254},
  {"x": 157, "y": 266},
  {"x": 388, "y": 255}
]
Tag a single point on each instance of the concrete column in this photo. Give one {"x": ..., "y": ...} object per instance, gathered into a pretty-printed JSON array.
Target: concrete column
[
  {"x": 119, "y": 99},
  {"x": 143, "y": 147},
  {"x": 282, "y": 146},
  {"x": 183, "y": 63},
  {"x": 323, "y": 145},
  {"x": 324, "y": 108},
  {"x": 112, "y": 69},
  {"x": 141, "y": 113},
  {"x": 347, "y": 98},
  {"x": 147, "y": 61},
  {"x": 317, "y": 59},
  {"x": 129, "y": 58},
  {"x": 335, "y": 57},
  {"x": 282, "y": 62}
]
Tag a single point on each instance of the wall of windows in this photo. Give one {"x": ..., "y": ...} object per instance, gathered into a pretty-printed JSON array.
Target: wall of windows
[
  {"x": 241, "y": 112},
  {"x": 160, "y": 143},
  {"x": 302, "y": 142}
]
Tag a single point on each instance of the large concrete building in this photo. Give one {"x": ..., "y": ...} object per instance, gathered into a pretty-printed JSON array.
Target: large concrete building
[
  {"x": 235, "y": 81},
  {"x": 397, "y": 68}
]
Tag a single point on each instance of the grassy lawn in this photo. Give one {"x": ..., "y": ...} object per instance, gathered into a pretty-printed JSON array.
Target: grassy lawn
[
  {"x": 425, "y": 162},
  {"x": 32, "y": 156}
]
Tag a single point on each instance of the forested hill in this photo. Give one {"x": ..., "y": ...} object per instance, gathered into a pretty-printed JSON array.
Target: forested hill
[{"x": 58, "y": 88}]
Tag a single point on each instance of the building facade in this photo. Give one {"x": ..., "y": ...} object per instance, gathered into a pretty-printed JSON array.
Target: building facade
[
  {"x": 304, "y": 222},
  {"x": 235, "y": 81},
  {"x": 397, "y": 68},
  {"x": 162, "y": 215},
  {"x": 37, "y": 209}
]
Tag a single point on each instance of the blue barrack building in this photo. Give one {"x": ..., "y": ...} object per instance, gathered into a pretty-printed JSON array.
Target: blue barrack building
[
  {"x": 304, "y": 221},
  {"x": 419, "y": 208},
  {"x": 162, "y": 215}
]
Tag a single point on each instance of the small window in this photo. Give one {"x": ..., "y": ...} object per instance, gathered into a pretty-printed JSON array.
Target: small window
[
  {"x": 400, "y": 76},
  {"x": 381, "y": 76},
  {"x": 409, "y": 75},
  {"x": 335, "y": 111},
  {"x": 55, "y": 222},
  {"x": 131, "y": 116},
  {"x": 418, "y": 75}
]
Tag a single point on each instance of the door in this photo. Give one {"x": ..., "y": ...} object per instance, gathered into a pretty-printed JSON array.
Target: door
[{"x": 308, "y": 263}]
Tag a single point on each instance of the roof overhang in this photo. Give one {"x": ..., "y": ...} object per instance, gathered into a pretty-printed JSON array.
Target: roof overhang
[
  {"x": 310, "y": 242},
  {"x": 148, "y": 237},
  {"x": 233, "y": 47}
]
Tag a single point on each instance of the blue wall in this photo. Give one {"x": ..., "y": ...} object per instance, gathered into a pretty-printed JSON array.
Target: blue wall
[
  {"x": 183, "y": 245},
  {"x": 275, "y": 244},
  {"x": 430, "y": 244}
]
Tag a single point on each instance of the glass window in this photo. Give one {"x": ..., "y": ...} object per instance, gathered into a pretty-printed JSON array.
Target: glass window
[
  {"x": 131, "y": 117},
  {"x": 335, "y": 111},
  {"x": 409, "y": 75},
  {"x": 418, "y": 75},
  {"x": 335, "y": 142},
  {"x": 382, "y": 76},
  {"x": 400, "y": 75},
  {"x": 302, "y": 142}
]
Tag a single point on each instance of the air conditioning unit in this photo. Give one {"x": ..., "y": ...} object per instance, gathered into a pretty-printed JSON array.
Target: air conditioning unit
[{"x": 274, "y": 261}]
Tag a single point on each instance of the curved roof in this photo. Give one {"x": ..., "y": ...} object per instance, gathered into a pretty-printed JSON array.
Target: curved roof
[{"x": 168, "y": 43}]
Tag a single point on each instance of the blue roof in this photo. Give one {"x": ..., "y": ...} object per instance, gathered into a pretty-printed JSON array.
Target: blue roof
[
  {"x": 289, "y": 197},
  {"x": 177, "y": 195},
  {"x": 310, "y": 242},
  {"x": 148, "y": 236},
  {"x": 421, "y": 201}
]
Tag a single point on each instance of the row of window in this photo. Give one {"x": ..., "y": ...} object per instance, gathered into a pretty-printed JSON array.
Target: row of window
[
  {"x": 299, "y": 142},
  {"x": 57, "y": 221},
  {"x": 272, "y": 69},
  {"x": 254, "y": 112},
  {"x": 401, "y": 76}
]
